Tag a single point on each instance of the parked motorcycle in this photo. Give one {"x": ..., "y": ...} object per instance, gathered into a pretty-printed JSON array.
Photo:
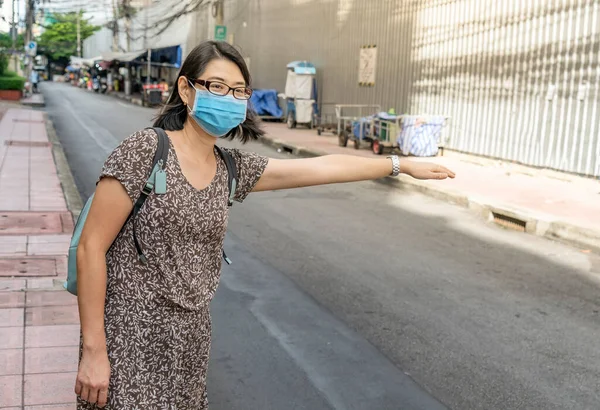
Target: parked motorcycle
[
  {"x": 96, "y": 84},
  {"x": 103, "y": 85}
]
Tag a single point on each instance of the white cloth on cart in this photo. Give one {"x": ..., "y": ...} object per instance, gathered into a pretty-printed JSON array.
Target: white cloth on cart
[
  {"x": 298, "y": 85},
  {"x": 304, "y": 111},
  {"x": 420, "y": 135}
]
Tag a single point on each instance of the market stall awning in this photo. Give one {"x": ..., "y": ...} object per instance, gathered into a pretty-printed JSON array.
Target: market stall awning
[
  {"x": 123, "y": 57},
  {"x": 78, "y": 61},
  {"x": 165, "y": 57}
]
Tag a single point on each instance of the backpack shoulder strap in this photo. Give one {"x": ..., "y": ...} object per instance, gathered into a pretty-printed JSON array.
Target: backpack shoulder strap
[
  {"x": 162, "y": 151},
  {"x": 231, "y": 172},
  {"x": 232, "y": 176},
  {"x": 161, "y": 154}
]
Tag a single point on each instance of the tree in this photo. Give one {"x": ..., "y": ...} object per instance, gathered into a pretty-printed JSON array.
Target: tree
[
  {"x": 59, "y": 39},
  {"x": 6, "y": 42},
  {"x": 3, "y": 63}
]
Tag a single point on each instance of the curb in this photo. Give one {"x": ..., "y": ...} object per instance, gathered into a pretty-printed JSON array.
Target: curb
[
  {"x": 70, "y": 191},
  {"x": 33, "y": 104},
  {"x": 535, "y": 224}
]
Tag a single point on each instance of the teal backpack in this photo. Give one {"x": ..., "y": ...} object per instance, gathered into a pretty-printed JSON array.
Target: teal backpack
[{"x": 157, "y": 183}]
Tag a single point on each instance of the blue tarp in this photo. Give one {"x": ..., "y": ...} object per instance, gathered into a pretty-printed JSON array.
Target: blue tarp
[
  {"x": 363, "y": 124},
  {"x": 168, "y": 55},
  {"x": 265, "y": 103},
  {"x": 366, "y": 123}
]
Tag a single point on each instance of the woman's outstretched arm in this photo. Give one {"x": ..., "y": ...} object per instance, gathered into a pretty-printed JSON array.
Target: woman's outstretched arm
[{"x": 332, "y": 169}]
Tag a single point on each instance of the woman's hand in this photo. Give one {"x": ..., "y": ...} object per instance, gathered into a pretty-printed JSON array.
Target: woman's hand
[
  {"x": 426, "y": 170},
  {"x": 93, "y": 376}
]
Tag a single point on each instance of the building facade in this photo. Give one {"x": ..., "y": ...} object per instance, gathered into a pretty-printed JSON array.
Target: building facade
[{"x": 519, "y": 79}]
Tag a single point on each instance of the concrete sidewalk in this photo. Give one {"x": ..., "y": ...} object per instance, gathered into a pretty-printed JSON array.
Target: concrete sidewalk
[
  {"x": 39, "y": 325},
  {"x": 34, "y": 100},
  {"x": 541, "y": 202}
]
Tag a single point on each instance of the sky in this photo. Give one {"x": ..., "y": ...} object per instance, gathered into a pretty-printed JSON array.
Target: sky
[
  {"x": 6, "y": 12},
  {"x": 99, "y": 10}
]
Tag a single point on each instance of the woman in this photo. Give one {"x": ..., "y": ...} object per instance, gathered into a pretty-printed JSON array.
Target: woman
[{"x": 146, "y": 327}]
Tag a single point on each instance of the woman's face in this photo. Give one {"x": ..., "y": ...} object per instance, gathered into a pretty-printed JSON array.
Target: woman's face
[{"x": 219, "y": 70}]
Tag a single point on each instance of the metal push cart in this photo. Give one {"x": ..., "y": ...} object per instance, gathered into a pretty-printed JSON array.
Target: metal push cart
[
  {"x": 417, "y": 135},
  {"x": 353, "y": 122},
  {"x": 326, "y": 119},
  {"x": 384, "y": 132},
  {"x": 301, "y": 94}
]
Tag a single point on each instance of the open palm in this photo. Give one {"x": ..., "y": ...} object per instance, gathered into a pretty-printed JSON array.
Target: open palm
[{"x": 428, "y": 170}]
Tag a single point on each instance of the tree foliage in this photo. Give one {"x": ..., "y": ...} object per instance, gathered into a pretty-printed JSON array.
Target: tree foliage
[
  {"x": 6, "y": 42},
  {"x": 3, "y": 63},
  {"x": 59, "y": 39}
]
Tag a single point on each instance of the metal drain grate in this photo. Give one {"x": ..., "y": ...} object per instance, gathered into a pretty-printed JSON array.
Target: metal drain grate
[
  {"x": 286, "y": 149},
  {"x": 510, "y": 222}
]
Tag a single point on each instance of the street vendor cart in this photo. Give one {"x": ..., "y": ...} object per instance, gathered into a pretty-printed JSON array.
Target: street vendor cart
[{"x": 301, "y": 94}]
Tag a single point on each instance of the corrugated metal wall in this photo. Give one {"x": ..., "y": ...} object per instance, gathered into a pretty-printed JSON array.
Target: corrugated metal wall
[
  {"x": 519, "y": 78},
  {"x": 328, "y": 33}
]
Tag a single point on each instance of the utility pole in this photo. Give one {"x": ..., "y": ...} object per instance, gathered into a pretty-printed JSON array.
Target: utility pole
[
  {"x": 115, "y": 27},
  {"x": 14, "y": 34},
  {"x": 220, "y": 18},
  {"x": 146, "y": 44},
  {"x": 78, "y": 30},
  {"x": 28, "y": 20},
  {"x": 29, "y": 8},
  {"x": 127, "y": 14}
]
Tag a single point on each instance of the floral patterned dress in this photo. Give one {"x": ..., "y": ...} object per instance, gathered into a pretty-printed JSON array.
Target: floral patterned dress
[{"x": 157, "y": 317}]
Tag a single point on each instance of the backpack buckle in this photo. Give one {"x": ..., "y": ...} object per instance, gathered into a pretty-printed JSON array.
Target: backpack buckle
[{"x": 147, "y": 190}]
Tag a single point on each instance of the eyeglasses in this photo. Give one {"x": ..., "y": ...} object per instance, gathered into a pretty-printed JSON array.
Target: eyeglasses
[{"x": 222, "y": 89}]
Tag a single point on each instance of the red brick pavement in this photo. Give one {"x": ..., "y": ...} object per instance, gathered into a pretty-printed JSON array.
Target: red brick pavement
[{"x": 39, "y": 324}]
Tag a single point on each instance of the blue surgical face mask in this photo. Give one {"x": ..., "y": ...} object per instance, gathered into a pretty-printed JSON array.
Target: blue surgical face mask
[{"x": 216, "y": 114}]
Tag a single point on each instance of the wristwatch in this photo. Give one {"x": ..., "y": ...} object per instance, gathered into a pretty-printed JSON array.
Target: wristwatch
[{"x": 395, "y": 165}]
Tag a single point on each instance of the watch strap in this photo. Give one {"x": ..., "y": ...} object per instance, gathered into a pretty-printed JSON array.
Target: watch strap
[{"x": 395, "y": 165}]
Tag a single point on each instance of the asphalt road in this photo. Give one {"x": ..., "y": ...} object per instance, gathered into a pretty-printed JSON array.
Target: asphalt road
[{"x": 338, "y": 293}]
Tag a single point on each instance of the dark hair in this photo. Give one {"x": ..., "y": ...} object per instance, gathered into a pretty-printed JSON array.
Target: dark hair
[{"x": 174, "y": 113}]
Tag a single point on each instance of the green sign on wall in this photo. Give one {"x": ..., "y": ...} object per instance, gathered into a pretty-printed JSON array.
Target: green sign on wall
[{"x": 221, "y": 33}]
